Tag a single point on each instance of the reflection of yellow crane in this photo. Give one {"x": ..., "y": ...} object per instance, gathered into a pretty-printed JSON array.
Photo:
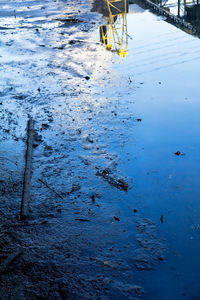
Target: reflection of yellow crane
[{"x": 114, "y": 34}]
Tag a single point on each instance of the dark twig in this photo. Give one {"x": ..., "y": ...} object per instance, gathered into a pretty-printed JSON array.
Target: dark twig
[{"x": 52, "y": 189}]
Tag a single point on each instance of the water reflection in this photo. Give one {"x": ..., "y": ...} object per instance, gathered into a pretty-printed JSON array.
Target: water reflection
[
  {"x": 183, "y": 12},
  {"x": 192, "y": 15},
  {"x": 113, "y": 34}
]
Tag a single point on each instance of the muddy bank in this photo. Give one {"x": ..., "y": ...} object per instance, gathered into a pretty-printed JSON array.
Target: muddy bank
[{"x": 114, "y": 210}]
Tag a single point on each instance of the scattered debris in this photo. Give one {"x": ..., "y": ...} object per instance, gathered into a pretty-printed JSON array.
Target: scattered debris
[
  {"x": 179, "y": 153},
  {"x": 70, "y": 20},
  {"x": 93, "y": 198},
  {"x": 90, "y": 140},
  {"x": 45, "y": 126},
  {"x": 61, "y": 47},
  {"x": 75, "y": 187},
  {"x": 37, "y": 137},
  {"x": 161, "y": 219},
  {"x": 73, "y": 42},
  {"x": 160, "y": 257},
  {"x": 118, "y": 183},
  {"x": 49, "y": 148}
]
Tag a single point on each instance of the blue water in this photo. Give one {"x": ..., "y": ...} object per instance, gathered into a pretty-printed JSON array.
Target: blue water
[{"x": 160, "y": 85}]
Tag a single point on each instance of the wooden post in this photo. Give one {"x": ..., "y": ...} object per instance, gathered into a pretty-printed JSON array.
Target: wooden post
[
  {"x": 27, "y": 171},
  {"x": 179, "y": 7},
  {"x": 184, "y": 8}
]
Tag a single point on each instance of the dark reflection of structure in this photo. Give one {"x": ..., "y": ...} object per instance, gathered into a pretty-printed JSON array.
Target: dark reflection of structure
[
  {"x": 192, "y": 15},
  {"x": 114, "y": 33},
  {"x": 101, "y": 7},
  {"x": 183, "y": 13}
]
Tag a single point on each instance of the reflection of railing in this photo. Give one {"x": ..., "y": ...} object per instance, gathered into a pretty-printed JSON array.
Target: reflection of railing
[
  {"x": 178, "y": 12},
  {"x": 114, "y": 33},
  {"x": 177, "y": 21}
]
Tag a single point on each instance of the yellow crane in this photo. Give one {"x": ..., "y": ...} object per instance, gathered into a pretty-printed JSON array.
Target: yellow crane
[{"x": 114, "y": 34}]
